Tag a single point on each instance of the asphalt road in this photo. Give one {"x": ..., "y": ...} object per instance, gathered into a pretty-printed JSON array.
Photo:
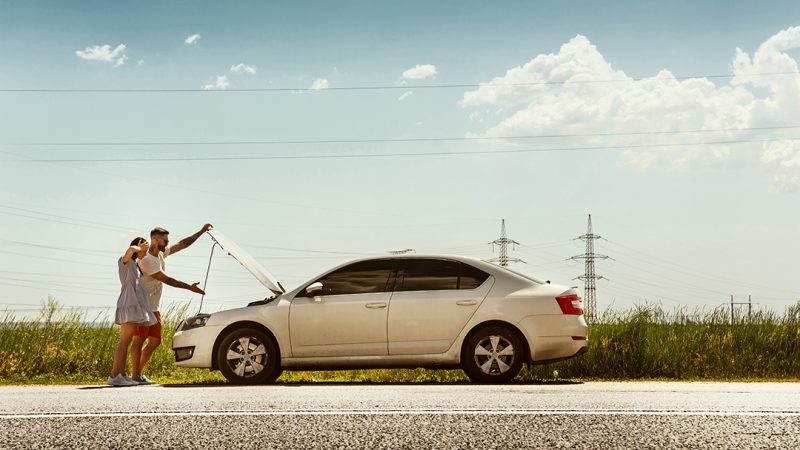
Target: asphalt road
[{"x": 347, "y": 416}]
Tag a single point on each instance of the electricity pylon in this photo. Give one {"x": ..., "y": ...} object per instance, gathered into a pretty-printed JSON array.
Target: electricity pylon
[
  {"x": 503, "y": 243},
  {"x": 589, "y": 277}
]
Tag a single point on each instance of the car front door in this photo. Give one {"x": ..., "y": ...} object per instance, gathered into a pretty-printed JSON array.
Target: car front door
[
  {"x": 433, "y": 301},
  {"x": 349, "y": 317}
]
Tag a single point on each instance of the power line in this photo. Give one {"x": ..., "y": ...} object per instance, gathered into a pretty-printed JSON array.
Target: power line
[
  {"x": 392, "y": 140},
  {"x": 395, "y": 87},
  {"x": 392, "y": 155},
  {"x": 693, "y": 271}
]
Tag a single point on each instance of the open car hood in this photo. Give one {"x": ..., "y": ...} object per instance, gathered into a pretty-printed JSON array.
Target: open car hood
[{"x": 247, "y": 261}]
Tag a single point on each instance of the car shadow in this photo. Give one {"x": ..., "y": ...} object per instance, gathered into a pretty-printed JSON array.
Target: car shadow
[{"x": 378, "y": 383}]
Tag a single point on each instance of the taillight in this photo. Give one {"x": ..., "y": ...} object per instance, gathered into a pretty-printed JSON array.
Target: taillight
[{"x": 570, "y": 304}]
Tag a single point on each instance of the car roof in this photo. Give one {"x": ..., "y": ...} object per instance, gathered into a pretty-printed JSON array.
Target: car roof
[{"x": 419, "y": 256}]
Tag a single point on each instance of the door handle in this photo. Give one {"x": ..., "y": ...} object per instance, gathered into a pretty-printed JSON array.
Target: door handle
[
  {"x": 466, "y": 302},
  {"x": 375, "y": 305}
]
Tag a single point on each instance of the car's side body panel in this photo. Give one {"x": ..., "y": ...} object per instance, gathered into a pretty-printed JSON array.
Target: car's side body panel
[
  {"x": 426, "y": 322},
  {"x": 339, "y": 325}
]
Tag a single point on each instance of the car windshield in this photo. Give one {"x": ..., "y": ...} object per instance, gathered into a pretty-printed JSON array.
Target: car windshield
[{"x": 527, "y": 277}]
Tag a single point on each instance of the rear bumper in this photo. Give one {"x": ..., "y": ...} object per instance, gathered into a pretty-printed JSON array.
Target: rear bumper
[
  {"x": 549, "y": 361},
  {"x": 555, "y": 337}
]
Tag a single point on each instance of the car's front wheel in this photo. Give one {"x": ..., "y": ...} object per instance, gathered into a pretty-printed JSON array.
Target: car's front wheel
[
  {"x": 248, "y": 356},
  {"x": 492, "y": 355}
]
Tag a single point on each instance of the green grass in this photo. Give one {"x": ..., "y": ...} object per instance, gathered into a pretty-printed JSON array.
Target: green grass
[{"x": 64, "y": 346}]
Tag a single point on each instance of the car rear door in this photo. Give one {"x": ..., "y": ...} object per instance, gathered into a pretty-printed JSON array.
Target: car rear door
[
  {"x": 349, "y": 318},
  {"x": 432, "y": 302}
]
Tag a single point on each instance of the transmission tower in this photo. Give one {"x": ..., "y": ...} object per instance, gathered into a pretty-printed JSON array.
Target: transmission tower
[
  {"x": 402, "y": 252},
  {"x": 589, "y": 277},
  {"x": 503, "y": 242}
]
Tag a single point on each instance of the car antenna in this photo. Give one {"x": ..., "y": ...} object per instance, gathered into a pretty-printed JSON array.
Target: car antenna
[{"x": 207, "y": 271}]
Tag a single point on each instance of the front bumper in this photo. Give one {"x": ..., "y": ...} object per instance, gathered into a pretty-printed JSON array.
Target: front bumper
[{"x": 201, "y": 339}]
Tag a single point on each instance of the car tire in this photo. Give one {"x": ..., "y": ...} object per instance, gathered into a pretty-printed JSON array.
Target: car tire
[
  {"x": 248, "y": 356},
  {"x": 492, "y": 355}
]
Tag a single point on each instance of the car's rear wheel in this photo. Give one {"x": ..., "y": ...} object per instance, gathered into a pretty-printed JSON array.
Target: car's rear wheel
[
  {"x": 248, "y": 356},
  {"x": 492, "y": 355}
]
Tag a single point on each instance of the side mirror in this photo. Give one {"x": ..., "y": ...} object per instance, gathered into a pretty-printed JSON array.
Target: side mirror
[{"x": 315, "y": 290}]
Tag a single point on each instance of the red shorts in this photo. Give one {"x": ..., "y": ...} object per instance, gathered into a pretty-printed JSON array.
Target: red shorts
[{"x": 153, "y": 331}]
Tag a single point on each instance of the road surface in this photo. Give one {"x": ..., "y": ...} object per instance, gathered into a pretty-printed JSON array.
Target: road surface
[{"x": 348, "y": 416}]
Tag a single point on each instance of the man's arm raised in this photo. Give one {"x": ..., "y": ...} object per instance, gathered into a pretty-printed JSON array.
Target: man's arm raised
[
  {"x": 187, "y": 241},
  {"x": 162, "y": 277}
]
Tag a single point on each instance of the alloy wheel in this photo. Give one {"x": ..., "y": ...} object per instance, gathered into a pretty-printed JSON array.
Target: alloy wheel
[
  {"x": 247, "y": 356},
  {"x": 494, "y": 355}
]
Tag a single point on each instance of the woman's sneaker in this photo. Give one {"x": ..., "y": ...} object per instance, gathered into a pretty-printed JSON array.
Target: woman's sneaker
[
  {"x": 141, "y": 379},
  {"x": 121, "y": 380}
]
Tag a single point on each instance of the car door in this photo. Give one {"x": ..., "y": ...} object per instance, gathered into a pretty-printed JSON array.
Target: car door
[
  {"x": 432, "y": 302},
  {"x": 349, "y": 318}
]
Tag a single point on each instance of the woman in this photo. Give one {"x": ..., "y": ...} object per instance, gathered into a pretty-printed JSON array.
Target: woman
[{"x": 133, "y": 310}]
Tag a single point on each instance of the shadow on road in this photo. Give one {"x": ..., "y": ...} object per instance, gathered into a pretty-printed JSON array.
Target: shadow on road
[{"x": 371, "y": 383}]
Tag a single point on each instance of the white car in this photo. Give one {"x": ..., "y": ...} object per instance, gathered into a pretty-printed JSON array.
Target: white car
[{"x": 432, "y": 311}]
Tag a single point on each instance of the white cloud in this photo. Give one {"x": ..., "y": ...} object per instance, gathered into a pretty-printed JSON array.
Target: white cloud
[
  {"x": 568, "y": 92},
  {"x": 783, "y": 159},
  {"x": 420, "y": 72},
  {"x": 140, "y": 62},
  {"x": 319, "y": 84},
  {"x": 105, "y": 54},
  {"x": 192, "y": 39},
  {"x": 243, "y": 68},
  {"x": 221, "y": 82},
  {"x": 405, "y": 95}
]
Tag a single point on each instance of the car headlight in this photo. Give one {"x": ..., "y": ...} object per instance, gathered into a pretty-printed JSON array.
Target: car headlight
[{"x": 194, "y": 322}]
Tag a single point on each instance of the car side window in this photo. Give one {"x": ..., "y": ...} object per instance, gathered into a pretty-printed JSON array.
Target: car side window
[
  {"x": 471, "y": 277},
  {"x": 364, "y": 277},
  {"x": 429, "y": 275}
]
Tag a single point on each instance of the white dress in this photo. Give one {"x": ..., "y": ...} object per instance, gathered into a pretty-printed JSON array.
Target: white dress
[{"x": 132, "y": 305}]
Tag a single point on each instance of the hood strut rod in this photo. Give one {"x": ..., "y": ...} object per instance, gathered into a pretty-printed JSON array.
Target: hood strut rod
[{"x": 206, "y": 280}]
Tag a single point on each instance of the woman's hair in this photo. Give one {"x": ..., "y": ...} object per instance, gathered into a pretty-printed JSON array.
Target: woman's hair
[{"x": 137, "y": 241}]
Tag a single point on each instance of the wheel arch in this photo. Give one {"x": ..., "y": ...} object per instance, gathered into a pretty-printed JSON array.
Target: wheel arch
[
  {"x": 499, "y": 323},
  {"x": 236, "y": 326}
]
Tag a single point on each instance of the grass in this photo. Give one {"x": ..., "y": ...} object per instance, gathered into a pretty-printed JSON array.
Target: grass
[{"x": 65, "y": 346}]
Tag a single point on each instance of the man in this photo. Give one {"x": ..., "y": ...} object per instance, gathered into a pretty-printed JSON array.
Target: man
[{"x": 153, "y": 279}]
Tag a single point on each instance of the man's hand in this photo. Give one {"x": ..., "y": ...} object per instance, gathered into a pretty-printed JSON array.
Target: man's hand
[
  {"x": 169, "y": 281},
  {"x": 195, "y": 288},
  {"x": 185, "y": 242}
]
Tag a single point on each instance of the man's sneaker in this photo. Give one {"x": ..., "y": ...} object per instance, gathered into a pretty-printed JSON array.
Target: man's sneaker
[
  {"x": 141, "y": 379},
  {"x": 121, "y": 380}
]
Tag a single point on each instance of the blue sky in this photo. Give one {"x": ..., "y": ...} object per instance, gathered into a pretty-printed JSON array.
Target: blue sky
[{"x": 686, "y": 224}]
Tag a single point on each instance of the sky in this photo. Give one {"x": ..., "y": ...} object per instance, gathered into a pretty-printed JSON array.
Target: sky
[{"x": 676, "y": 126}]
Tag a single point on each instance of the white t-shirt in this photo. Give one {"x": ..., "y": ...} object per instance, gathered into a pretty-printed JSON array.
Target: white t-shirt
[{"x": 150, "y": 266}]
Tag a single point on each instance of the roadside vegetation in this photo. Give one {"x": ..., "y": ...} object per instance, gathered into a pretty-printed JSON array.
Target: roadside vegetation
[{"x": 68, "y": 346}]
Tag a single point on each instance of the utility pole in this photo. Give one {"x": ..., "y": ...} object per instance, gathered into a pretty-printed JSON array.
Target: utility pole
[
  {"x": 503, "y": 243},
  {"x": 589, "y": 276}
]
